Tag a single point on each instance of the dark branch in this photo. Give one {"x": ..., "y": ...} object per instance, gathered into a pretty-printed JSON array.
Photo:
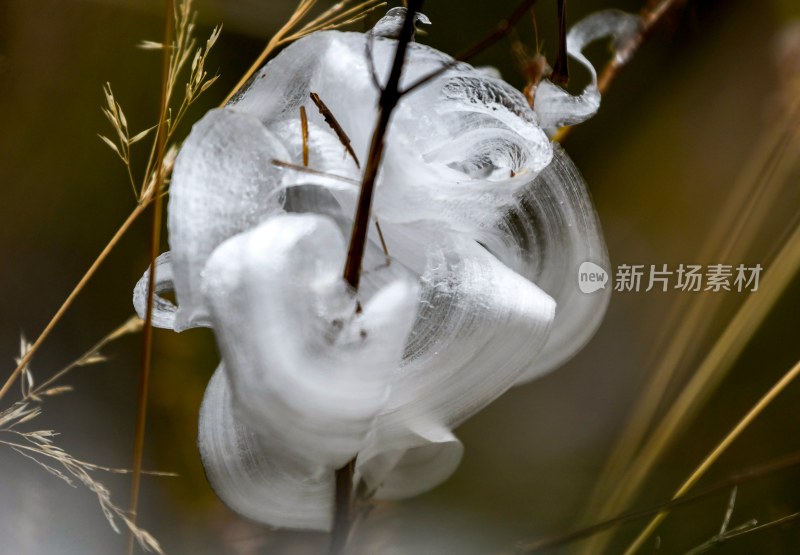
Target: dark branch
[
  {"x": 389, "y": 98},
  {"x": 388, "y": 101},
  {"x": 560, "y": 75},
  {"x": 501, "y": 30}
]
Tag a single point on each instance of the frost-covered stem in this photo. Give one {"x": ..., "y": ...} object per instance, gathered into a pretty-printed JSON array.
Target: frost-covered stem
[{"x": 390, "y": 96}]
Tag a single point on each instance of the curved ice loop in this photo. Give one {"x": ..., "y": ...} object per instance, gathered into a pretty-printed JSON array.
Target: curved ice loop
[
  {"x": 462, "y": 145},
  {"x": 555, "y": 106},
  {"x": 308, "y": 372},
  {"x": 224, "y": 183},
  {"x": 163, "y": 310},
  {"x": 549, "y": 232},
  {"x": 253, "y": 476},
  {"x": 479, "y": 325}
]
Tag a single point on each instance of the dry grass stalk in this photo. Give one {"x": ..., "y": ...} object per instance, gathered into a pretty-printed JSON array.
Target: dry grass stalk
[
  {"x": 172, "y": 62},
  {"x": 712, "y": 457},
  {"x": 149, "y": 190},
  {"x": 749, "y": 204},
  {"x": 334, "y": 124},
  {"x": 39, "y": 447},
  {"x": 749, "y": 527},
  {"x": 773, "y": 467}
]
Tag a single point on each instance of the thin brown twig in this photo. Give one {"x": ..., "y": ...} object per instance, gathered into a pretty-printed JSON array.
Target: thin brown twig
[
  {"x": 743, "y": 477},
  {"x": 334, "y": 124},
  {"x": 389, "y": 98},
  {"x": 155, "y": 243},
  {"x": 304, "y": 133},
  {"x": 382, "y": 239}
]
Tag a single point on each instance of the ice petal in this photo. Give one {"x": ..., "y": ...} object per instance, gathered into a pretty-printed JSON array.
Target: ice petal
[
  {"x": 256, "y": 478},
  {"x": 224, "y": 183},
  {"x": 413, "y": 464},
  {"x": 479, "y": 326},
  {"x": 546, "y": 236},
  {"x": 305, "y": 367}
]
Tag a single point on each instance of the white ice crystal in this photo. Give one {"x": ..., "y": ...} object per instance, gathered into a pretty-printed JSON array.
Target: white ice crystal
[{"x": 486, "y": 223}]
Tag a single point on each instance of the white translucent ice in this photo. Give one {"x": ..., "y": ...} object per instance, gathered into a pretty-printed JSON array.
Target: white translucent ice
[{"x": 486, "y": 223}]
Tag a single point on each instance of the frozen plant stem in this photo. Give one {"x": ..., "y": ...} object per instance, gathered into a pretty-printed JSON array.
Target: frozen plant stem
[
  {"x": 390, "y": 96},
  {"x": 155, "y": 241}
]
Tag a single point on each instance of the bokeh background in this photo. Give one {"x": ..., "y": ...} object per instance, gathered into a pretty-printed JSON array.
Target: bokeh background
[{"x": 675, "y": 133}]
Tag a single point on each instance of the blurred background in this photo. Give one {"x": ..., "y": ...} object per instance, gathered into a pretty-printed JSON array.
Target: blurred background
[{"x": 701, "y": 118}]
